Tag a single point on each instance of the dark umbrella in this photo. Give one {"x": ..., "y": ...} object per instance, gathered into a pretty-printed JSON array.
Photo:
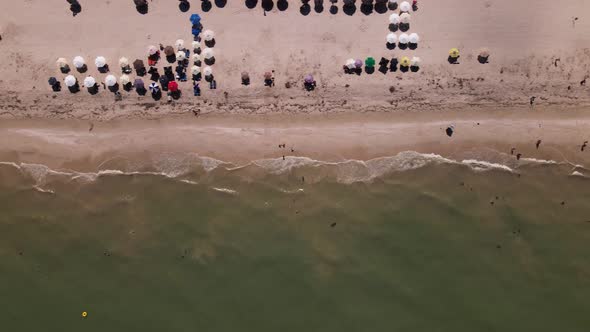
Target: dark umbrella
[
  {"x": 52, "y": 81},
  {"x": 138, "y": 65},
  {"x": 138, "y": 83}
]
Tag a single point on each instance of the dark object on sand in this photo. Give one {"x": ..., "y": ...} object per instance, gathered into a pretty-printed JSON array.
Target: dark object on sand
[
  {"x": 169, "y": 74},
  {"x": 170, "y": 55},
  {"x": 245, "y": 78},
  {"x": 56, "y": 85},
  {"x": 139, "y": 87},
  {"x": 450, "y": 130},
  {"x": 538, "y": 143},
  {"x": 333, "y": 224},
  {"x": 75, "y": 7},
  {"x": 184, "y": 6},
  {"x": 196, "y": 90},
  {"x": 584, "y": 146},
  {"x": 532, "y": 100},
  {"x": 141, "y": 6},
  {"x": 483, "y": 56},
  {"x": 154, "y": 74},
  {"x": 139, "y": 67},
  {"x": 518, "y": 155}
]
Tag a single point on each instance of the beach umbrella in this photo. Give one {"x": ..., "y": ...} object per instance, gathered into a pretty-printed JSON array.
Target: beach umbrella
[
  {"x": 391, "y": 38},
  {"x": 454, "y": 53},
  {"x": 415, "y": 62},
  {"x": 154, "y": 87},
  {"x": 404, "y": 38},
  {"x": 179, "y": 44},
  {"x": 267, "y": 75},
  {"x": 405, "y": 6},
  {"x": 484, "y": 53},
  {"x": 169, "y": 51},
  {"x": 308, "y": 79},
  {"x": 370, "y": 62},
  {"x": 414, "y": 38},
  {"x": 110, "y": 80},
  {"x": 124, "y": 79},
  {"x": 89, "y": 82},
  {"x": 100, "y": 61},
  {"x": 70, "y": 81},
  {"x": 173, "y": 86},
  {"x": 79, "y": 62},
  {"x": 195, "y": 19},
  {"x": 350, "y": 63},
  {"x": 123, "y": 62},
  {"x": 358, "y": 63},
  {"x": 208, "y": 35},
  {"x": 52, "y": 81},
  {"x": 195, "y": 70},
  {"x": 138, "y": 64},
  {"x": 196, "y": 58},
  {"x": 180, "y": 56},
  {"x": 404, "y": 62},
  {"x": 152, "y": 50},
  {"x": 207, "y": 71},
  {"x": 245, "y": 76},
  {"x": 62, "y": 62},
  {"x": 208, "y": 53},
  {"x": 138, "y": 83},
  {"x": 405, "y": 18},
  {"x": 196, "y": 45},
  {"x": 394, "y": 19}
]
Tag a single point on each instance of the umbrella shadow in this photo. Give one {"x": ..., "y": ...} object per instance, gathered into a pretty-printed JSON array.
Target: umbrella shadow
[
  {"x": 127, "y": 87},
  {"x": 82, "y": 69},
  {"x": 392, "y": 5},
  {"x": 393, "y": 27},
  {"x": 268, "y": 5},
  {"x": 142, "y": 8},
  {"x": 114, "y": 88},
  {"x": 319, "y": 6},
  {"x": 381, "y": 8},
  {"x": 403, "y": 69},
  {"x": 171, "y": 58},
  {"x": 481, "y": 59},
  {"x": 210, "y": 62},
  {"x": 412, "y": 46},
  {"x": 210, "y": 43},
  {"x": 383, "y": 69},
  {"x": 74, "y": 88},
  {"x": 65, "y": 69},
  {"x": 349, "y": 9},
  {"x": 93, "y": 89},
  {"x": 220, "y": 3},
  {"x": 184, "y": 6},
  {"x": 369, "y": 70},
  {"x": 453, "y": 61},
  {"x": 367, "y": 9},
  {"x": 141, "y": 91},
  {"x": 206, "y": 5},
  {"x": 390, "y": 46},
  {"x": 415, "y": 7},
  {"x": 414, "y": 69},
  {"x": 305, "y": 9},
  {"x": 251, "y": 4},
  {"x": 157, "y": 96},
  {"x": 282, "y": 5},
  {"x": 402, "y": 46},
  {"x": 333, "y": 9},
  {"x": 404, "y": 27},
  {"x": 104, "y": 69},
  {"x": 75, "y": 7}
]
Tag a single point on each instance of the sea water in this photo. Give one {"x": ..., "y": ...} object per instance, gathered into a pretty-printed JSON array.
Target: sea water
[{"x": 406, "y": 243}]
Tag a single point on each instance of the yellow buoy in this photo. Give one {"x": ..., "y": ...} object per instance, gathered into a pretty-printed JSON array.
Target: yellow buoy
[{"x": 84, "y": 314}]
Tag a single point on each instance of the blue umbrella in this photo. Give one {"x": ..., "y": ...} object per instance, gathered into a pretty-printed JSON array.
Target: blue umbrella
[
  {"x": 195, "y": 19},
  {"x": 196, "y": 31}
]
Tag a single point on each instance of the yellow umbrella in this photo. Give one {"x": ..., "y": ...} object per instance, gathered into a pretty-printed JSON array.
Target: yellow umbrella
[
  {"x": 454, "y": 53},
  {"x": 404, "y": 62}
]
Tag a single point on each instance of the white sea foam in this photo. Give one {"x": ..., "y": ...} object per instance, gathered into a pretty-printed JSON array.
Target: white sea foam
[
  {"x": 225, "y": 190},
  {"x": 478, "y": 165}
]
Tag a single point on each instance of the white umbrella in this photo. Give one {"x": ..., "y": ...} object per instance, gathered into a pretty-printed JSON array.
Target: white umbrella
[
  {"x": 124, "y": 79},
  {"x": 405, "y": 6},
  {"x": 391, "y": 38},
  {"x": 78, "y": 62},
  {"x": 179, "y": 44},
  {"x": 195, "y": 70},
  {"x": 394, "y": 19},
  {"x": 100, "y": 61},
  {"x": 89, "y": 82},
  {"x": 70, "y": 81},
  {"x": 196, "y": 57},
  {"x": 404, "y": 38},
  {"x": 196, "y": 45},
  {"x": 415, "y": 62},
  {"x": 405, "y": 18},
  {"x": 62, "y": 62},
  {"x": 208, "y": 35},
  {"x": 207, "y": 71},
  {"x": 110, "y": 80},
  {"x": 414, "y": 38},
  {"x": 123, "y": 62},
  {"x": 180, "y": 56},
  {"x": 152, "y": 50},
  {"x": 208, "y": 53},
  {"x": 350, "y": 63}
]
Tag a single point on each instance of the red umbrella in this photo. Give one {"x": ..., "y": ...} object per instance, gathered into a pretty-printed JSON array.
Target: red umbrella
[{"x": 173, "y": 86}]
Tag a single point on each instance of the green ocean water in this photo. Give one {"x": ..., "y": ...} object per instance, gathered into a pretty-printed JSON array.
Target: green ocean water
[{"x": 437, "y": 248}]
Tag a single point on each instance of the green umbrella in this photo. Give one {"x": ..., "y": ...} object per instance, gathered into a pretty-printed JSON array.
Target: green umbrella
[{"x": 370, "y": 62}]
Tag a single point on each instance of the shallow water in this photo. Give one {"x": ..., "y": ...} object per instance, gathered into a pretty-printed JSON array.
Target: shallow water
[{"x": 444, "y": 246}]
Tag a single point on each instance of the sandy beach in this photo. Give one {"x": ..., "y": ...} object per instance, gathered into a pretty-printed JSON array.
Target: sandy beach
[{"x": 525, "y": 41}]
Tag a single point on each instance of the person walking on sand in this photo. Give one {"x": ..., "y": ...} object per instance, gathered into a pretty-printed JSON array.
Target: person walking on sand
[{"x": 538, "y": 143}]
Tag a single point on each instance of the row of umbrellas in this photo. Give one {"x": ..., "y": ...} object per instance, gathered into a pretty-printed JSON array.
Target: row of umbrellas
[
  {"x": 403, "y": 18},
  {"x": 404, "y": 38},
  {"x": 370, "y": 62}
]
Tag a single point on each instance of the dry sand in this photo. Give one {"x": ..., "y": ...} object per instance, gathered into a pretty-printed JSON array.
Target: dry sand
[{"x": 524, "y": 38}]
